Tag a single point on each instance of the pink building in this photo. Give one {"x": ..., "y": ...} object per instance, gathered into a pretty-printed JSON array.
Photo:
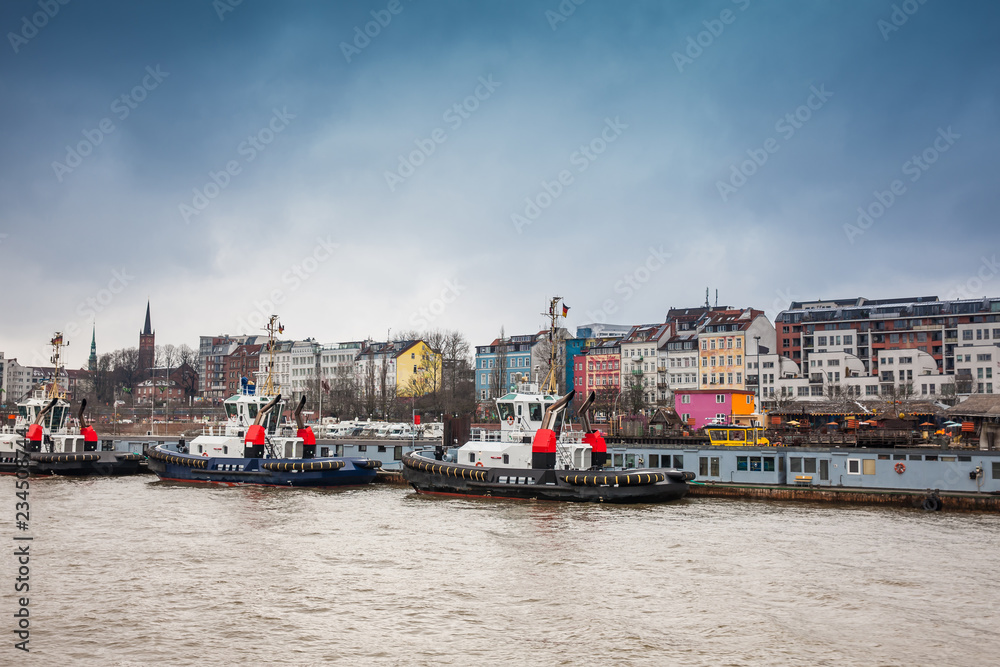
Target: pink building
[{"x": 700, "y": 407}]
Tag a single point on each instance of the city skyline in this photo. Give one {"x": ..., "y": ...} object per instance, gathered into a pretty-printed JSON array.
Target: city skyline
[{"x": 458, "y": 165}]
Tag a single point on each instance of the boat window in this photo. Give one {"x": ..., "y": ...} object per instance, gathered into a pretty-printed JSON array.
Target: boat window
[
  {"x": 324, "y": 452},
  {"x": 230, "y": 410},
  {"x": 717, "y": 435},
  {"x": 535, "y": 412},
  {"x": 741, "y": 462},
  {"x": 225, "y": 449},
  {"x": 506, "y": 410},
  {"x": 715, "y": 466},
  {"x": 362, "y": 448},
  {"x": 996, "y": 469},
  {"x": 703, "y": 466},
  {"x": 506, "y": 458},
  {"x": 252, "y": 410},
  {"x": 795, "y": 464},
  {"x": 472, "y": 457},
  {"x": 22, "y": 411},
  {"x": 808, "y": 465},
  {"x": 381, "y": 448},
  {"x": 617, "y": 460},
  {"x": 768, "y": 464},
  {"x": 883, "y": 457},
  {"x": 630, "y": 460},
  {"x": 899, "y": 457},
  {"x": 754, "y": 464},
  {"x": 654, "y": 460},
  {"x": 679, "y": 461},
  {"x": 736, "y": 436},
  {"x": 397, "y": 453},
  {"x": 853, "y": 466}
]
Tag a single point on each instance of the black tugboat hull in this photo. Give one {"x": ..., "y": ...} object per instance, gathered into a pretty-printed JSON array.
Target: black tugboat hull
[
  {"x": 83, "y": 464},
  {"x": 319, "y": 472},
  {"x": 433, "y": 477}
]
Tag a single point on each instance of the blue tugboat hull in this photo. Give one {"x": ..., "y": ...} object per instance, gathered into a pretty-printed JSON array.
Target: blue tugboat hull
[{"x": 326, "y": 472}]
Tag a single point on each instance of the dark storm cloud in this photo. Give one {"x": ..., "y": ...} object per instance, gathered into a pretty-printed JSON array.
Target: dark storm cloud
[{"x": 390, "y": 147}]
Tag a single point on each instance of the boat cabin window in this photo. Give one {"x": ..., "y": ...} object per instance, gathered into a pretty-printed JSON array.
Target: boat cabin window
[
  {"x": 54, "y": 419},
  {"x": 717, "y": 435},
  {"x": 506, "y": 410},
  {"x": 252, "y": 410},
  {"x": 736, "y": 436},
  {"x": 472, "y": 457},
  {"x": 231, "y": 410},
  {"x": 535, "y": 412},
  {"x": 22, "y": 411}
]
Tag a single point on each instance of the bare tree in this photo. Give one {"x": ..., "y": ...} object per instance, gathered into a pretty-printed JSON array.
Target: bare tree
[
  {"x": 634, "y": 394},
  {"x": 126, "y": 368},
  {"x": 185, "y": 355},
  {"x": 498, "y": 374}
]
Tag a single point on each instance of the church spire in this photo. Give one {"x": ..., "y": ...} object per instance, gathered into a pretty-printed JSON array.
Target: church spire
[
  {"x": 92, "y": 362},
  {"x": 147, "y": 330}
]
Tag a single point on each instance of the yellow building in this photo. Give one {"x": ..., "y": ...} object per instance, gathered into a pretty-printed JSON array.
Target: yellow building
[
  {"x": 725, "y": 340},
  {"x": 418, "y": 369}
]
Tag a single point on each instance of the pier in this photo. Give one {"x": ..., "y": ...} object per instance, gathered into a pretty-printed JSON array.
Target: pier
[{"x": 853, "y": 496}]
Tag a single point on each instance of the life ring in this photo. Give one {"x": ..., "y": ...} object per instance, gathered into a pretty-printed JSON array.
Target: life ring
[
  {"x": 510, "y": 420},
  {"x": 204, "y": 453},
  {"x": 900, "y": 467},
  {"x": 479, "y": 464}
]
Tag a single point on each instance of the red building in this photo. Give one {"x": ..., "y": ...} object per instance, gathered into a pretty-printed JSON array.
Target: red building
[{"x": 243, "y": 362}]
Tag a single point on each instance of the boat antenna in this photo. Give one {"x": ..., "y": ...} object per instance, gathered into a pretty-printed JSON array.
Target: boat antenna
[{"x": 551, "y": 385}]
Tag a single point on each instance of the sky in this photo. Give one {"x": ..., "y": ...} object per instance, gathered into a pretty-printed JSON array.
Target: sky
[{"x": 361, "y": 168}]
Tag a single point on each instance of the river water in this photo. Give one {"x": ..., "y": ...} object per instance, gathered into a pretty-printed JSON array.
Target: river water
[{"x": 134, "y": 571}]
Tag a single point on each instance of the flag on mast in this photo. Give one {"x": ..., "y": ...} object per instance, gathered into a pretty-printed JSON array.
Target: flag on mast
[{"x": 565, "y": 309}]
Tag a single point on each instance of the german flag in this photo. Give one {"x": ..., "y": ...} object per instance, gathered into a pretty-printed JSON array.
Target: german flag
[
  {"x": 565, "y": 309},
  {"x": 58, "y": 340}
]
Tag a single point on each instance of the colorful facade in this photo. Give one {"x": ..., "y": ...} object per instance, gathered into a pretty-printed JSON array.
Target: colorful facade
[{"x": 702, "y": 407}]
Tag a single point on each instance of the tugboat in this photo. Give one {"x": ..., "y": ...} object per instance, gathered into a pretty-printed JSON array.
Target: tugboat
[
  {"x": 532, "y": 459},
  {"x": 42, "y": 431},
  {"x": 255, "y": 449}
]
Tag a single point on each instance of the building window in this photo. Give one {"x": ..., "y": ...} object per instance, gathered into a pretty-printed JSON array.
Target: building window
[{"x": 720, "y": 398}]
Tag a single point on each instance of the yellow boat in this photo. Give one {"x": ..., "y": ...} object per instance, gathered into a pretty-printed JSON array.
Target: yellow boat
[{"x": 738, "y": 436}]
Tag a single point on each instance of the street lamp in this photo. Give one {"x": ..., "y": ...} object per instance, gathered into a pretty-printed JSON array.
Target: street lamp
[{"x": 756, "y": 340}]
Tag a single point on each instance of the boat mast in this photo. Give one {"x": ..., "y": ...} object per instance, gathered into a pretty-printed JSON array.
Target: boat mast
[
  {"x": 551, "y": 384},
  {"x": 272, "y": 327},
  {"x": 57, "y": 345}
]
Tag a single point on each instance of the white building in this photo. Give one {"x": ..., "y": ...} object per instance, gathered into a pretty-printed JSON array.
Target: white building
[
  {"x": 976, "y": 368},
  {"x": 678, "y": 356},
  {"x": 641, "y": 360},
  {"x": 15, "y": 379}
]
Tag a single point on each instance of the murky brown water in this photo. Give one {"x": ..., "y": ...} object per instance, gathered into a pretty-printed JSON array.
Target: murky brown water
[{"x": 133, "y": 571}]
